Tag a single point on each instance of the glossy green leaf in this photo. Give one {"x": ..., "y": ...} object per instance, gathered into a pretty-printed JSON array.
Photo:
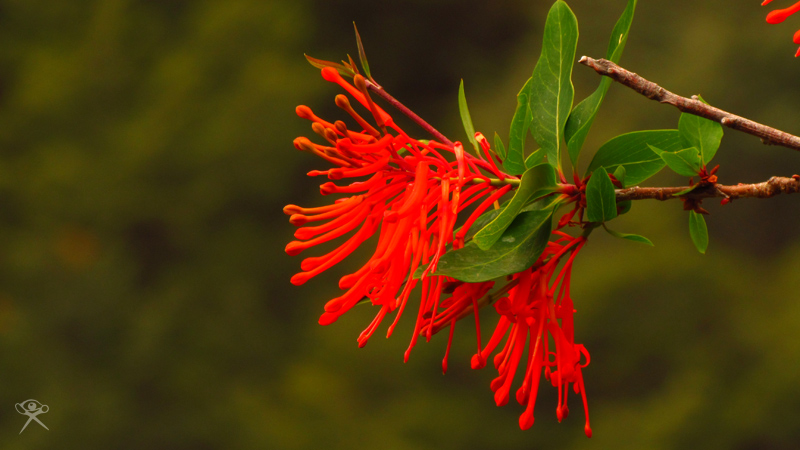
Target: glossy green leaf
[
  {"x": 551, "y": 89},
  {"x": 582, "y": 116},
  {"x": 684, "y": 162},
  {"x": 601, "y": 200},
  {"x": 546, "y": 202},
  {"x": 628, "y": 236},
  {"x": 631, "y": 150},
  {"x": 499, "y": 148},
  {"x": 702, "y": 133},
  {"x": 533, "y": 180},
  {"x": 362, "y": 55},
  {"x": 466, "y": 119},
  {"x": 514, "y": 162},
  {"x": 535, "y": 158},
  {"x": 482, "y": 221},
  {"x": 698, "y": 231},
  {"x": 520, "y": 246}
]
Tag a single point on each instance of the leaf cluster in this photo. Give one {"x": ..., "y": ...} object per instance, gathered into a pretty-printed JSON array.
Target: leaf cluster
[{"x": 513, "y": 237}]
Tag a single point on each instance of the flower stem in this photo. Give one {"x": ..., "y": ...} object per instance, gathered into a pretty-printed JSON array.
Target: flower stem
[{"x": 410, "y": 114}]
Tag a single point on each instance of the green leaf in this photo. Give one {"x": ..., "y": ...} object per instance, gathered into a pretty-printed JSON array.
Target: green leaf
[
  {"x": 499, "y": 148},
  {"x": 630, "y": 237},
  {"x": 551, "y": 90},
  {"x": 631, "y": 150},
  {"x": 362, "y": 56},
  {"x": 582, "y": 116},
  {"x": 535, "y": 158},
  {"x": 702, "y": 133},
  {"x": 533, "y": 181},
  {"x": 619, "y": 174},
  {"x": 514, "y": 161},
  {"x": 601, "y": 200},
  {"x": 543, "y": 202},
  {"x": 321, "y": 64},
  {"x": 482, "y": 221},
  {"x": 684, "y": 162},
  {"x": 698, "y": 231},
  {"x": 519, "y": 248},
  {"x": 466, "y": 119}
]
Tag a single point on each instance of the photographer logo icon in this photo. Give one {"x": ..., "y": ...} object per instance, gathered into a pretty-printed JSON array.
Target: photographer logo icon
[{"x": 32, "y": 408}]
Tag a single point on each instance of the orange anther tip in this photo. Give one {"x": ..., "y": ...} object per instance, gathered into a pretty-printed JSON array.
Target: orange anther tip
[
  {"x": 765, "y": 2},
  {"x": 298, "y": 220},
  {"x": 359, "y": 81},
  {"x": 478, "y": 362},
  {"x": 342, "y": 101},
  {"x": 347, "y": 281},
  {"x": 588, "y": 431},
  {"x": 525, "y": 421},
  {"x": 327, "y": 188},
  {"x": 300, "y": 278},
  {"x": 327, "y": 318},
  {"x": 302, "y": 144},
  {"x": 307, "y": 264},
  {"x": 291, "y": 209},
  {"x": 798, "y": 53},
  {"x": 501, "y": 397},
  {"x": 777, "y": 16},
  {"x": 304, "y": 112},
  {"x": 330, "y": 74},
  {"x": 294, "y": 248}
]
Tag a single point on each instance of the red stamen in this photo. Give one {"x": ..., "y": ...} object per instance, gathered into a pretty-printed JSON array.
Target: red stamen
[{"x": 330, "y": 74}]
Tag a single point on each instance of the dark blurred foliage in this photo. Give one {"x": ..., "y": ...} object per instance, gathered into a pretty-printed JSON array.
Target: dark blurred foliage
[{"x": 144, "y": 295}]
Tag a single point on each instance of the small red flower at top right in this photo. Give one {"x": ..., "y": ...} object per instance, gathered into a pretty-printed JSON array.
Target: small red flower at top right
[{"x": 779, "y": 15}]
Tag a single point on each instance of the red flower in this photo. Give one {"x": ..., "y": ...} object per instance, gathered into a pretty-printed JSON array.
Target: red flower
[
  {"x": 412, "y": 197},
  {"x": 779, "y": 15},
  {"x": 536, "y": 308}
]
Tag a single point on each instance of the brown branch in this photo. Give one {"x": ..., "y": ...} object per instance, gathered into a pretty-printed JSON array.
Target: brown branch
[
  {"x": 770, "y": 188},
  {"x": 768, "y": 135}
]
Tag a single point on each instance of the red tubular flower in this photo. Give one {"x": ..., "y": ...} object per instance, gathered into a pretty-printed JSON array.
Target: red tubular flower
[
  {"x": 535, "y": 308},
  {"x": 779, "y": 15},
  {"x": 412, "y": 196},
  {"x": 411, "y": 193}
]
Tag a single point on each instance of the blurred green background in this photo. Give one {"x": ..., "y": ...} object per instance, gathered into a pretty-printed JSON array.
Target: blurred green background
[{"x": 144, "y": 292}]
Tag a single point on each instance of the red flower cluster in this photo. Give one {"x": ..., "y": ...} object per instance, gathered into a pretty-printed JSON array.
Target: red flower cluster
[
  {"x": 537, "y": 308},
  {"x": 411, "y": 198},
  {"x": 779, "y": 15}
]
